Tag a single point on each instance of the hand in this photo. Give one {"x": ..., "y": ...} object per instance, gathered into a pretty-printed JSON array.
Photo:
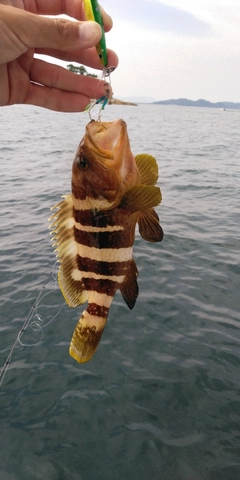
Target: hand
[{"x": 24, "y": 32}]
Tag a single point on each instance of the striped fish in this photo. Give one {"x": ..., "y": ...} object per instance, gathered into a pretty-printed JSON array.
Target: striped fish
[{"x": 94, "y": 227}]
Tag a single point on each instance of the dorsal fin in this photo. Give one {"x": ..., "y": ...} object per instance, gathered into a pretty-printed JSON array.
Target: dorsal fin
[
  {"x": 148, "y": 168},
  {"x": 149, "y": 227},
  {"x": 62, "y": 228}
]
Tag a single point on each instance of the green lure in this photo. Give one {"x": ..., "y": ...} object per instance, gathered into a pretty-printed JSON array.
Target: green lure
[{"x": 93, "y": 13}]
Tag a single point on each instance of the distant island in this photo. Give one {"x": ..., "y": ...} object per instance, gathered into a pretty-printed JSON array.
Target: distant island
[
  {"x": 115, "y": 101},
  {"x": 184, "y": 102}
]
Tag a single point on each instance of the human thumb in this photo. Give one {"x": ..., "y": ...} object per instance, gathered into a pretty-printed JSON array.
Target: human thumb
[
  {"x": 22, "y": 30},
  {"x": 64, "y": 34}
]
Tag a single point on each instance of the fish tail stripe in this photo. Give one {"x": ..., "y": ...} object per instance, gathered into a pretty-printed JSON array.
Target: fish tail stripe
[
  {"x": 104, "y": 239},
  {"x": 100, "y": 299},
  {"x": 103, "y": 268},
  {"x": 97, "y": 310}
]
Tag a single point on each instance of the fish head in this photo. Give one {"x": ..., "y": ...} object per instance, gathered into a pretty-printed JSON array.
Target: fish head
[{"x": 104, "y": 167}]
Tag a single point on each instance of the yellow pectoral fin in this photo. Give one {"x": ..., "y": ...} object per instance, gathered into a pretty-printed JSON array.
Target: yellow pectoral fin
[
  {"x": 141, "y": 197},
  {"x": 148, "y": 168},
  {"x": 149, "y": 227},
  {"x": 86, "y": 337}
]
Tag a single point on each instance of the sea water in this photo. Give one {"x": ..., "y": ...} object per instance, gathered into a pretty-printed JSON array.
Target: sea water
[{"x": 160, "y": 399}]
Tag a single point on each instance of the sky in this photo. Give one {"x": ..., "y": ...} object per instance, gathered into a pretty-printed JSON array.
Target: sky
[{"x": 176, "y": 49}]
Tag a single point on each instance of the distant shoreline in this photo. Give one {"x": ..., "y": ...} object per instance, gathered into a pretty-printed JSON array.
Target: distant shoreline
[
  {"x": 115, "y": 101},
  {"x": 184, "y": 102}
]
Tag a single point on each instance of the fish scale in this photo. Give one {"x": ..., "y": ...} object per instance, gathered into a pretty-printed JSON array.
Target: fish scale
[{"x": 94, "y": 228}]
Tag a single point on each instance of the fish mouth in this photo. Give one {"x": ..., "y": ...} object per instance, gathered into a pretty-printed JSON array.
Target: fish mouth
[{"x": 104, "y": 138}]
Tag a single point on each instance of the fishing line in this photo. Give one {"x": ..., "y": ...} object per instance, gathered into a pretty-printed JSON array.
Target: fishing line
[{"x": 33, "y": 320}]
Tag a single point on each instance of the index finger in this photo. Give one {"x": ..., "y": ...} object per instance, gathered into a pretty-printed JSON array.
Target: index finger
[{"x": 72, "y": 8}]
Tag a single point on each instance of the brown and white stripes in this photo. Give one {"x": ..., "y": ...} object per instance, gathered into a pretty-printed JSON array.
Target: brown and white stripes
[
  {"x": 104, "y": 246},
  {"x": 95, "y": 252}
]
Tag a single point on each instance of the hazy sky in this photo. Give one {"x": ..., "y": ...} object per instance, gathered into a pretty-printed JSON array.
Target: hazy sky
[{"x": 176, "y": 48}]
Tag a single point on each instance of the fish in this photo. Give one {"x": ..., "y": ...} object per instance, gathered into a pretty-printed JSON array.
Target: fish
[{"x": 94, "y": 227}]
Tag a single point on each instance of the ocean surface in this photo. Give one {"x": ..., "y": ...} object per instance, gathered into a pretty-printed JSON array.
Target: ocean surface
[{"x": 160, "y": 399}]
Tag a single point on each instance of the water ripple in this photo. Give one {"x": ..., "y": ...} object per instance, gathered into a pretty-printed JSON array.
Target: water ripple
[{"x": 160, "y": 399}]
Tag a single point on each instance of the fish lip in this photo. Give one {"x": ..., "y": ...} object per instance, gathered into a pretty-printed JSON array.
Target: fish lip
[{"x": 94, "y": 144}]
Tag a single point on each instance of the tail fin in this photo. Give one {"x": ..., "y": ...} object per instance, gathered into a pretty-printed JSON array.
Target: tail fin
[{"x": 88, "y": 332}]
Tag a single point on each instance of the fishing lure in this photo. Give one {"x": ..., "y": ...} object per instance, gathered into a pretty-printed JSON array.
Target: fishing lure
[{"x": 93, "y": 13}]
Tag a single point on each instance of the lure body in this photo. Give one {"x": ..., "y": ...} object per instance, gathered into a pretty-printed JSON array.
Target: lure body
[
  {"x": 94, "y": 227},
  {"x": 93, "y": 13}
]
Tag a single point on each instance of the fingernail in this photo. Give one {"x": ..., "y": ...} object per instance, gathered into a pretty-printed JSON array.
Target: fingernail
[{"x": 89, "y": 31}]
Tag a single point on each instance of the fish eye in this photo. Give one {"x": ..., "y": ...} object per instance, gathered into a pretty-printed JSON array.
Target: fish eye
[{"x": 82, "y": 163}]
